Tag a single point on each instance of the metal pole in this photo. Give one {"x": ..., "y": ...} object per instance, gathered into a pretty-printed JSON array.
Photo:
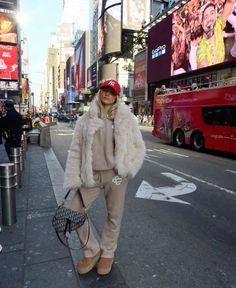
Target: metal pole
[
  {"x": 15, "y": 157},
  {"x": 8, "y": 184}
]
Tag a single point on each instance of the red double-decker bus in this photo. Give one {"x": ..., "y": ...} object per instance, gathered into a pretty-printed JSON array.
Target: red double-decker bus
[{"x": 204, "y": 118}]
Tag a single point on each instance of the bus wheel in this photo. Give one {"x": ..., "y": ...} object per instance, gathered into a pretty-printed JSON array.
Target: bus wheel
[
  {"x": 179, "y": 139},
  {"x": 197, "y": 141}
]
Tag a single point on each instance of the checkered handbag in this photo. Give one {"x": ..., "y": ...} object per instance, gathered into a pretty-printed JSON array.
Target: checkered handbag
[{"x": 67, "y": 220}]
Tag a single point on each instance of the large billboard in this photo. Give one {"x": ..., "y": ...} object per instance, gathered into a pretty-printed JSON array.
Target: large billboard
[
  {"x": 8, "y": 62},
  {"x": 140, "y": 63},
  {"x": 92, "y": 76},
  {"x": 79, "y": 67},
  {"x": 109, "y": 27},
  {"x": 24, "y": 56},
  {"x": 135, "y": 14},
  {"x": 159, "y": 51},
  {"x": 8, "y": 27},
  {"x": 25, "y": 89},
  {"x": 201, "y": 34}
]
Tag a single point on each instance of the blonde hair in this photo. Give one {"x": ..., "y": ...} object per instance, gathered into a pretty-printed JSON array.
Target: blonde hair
[{"x": 102, "y": 113}]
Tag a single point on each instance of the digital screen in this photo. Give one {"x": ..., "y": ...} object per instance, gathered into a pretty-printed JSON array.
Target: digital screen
[
  {"x": 140, "y": 75},
  {"x": 25, "y": 89},
  {"x": 79, "y": 67},
  {"x": 8, "y": 28},
  {"x": 8, "y": 85},
  {"x": 159, "y": 51},
  {"x": 135, "y": 14},
  {"x": 8, "y": 62},
  {"x": 24, "y": 57},
  {"x": 109, "y": 27},
  {"x": 201, "y": 34}
]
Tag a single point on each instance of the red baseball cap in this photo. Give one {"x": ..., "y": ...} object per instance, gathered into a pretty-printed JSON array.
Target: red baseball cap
[{"x": 112, "y": 84}]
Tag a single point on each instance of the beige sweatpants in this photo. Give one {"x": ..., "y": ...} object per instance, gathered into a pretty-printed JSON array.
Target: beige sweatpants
[{"x": 114, "y": 199}]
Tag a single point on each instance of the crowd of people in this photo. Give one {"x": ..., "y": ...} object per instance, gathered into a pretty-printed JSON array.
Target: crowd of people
[
  {"x": 199, "y": 34},
  {"x": 145, "y": 119}
]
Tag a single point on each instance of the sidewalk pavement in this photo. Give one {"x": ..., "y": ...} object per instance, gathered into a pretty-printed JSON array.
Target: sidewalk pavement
[{"x": 32, "y": 256}]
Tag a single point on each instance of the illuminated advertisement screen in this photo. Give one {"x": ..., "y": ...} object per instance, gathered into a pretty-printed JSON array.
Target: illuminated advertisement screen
[
  {"x": 109, "y": 27},
  {"x": 140, "y": 75},
  {"x": 79, "y": 67},
  {"x": 24, "y": 57},
  {"x": 159, "y": 51},
  {"x": 8, "y": 85},
  {"x": 8, "y": 62},
  {"x": 202, "y": 34},
  {"x": 8, "y": 28},
  {"x": 135, "y": 14},
  {"x": 25, "y": 89}
]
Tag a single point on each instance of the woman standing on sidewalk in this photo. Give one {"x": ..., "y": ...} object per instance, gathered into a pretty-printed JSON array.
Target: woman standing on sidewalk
[{"x": 107, "y": 149}]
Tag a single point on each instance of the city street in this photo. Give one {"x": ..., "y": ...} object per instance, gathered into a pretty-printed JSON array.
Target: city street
[{"x": 179, "y": 223}]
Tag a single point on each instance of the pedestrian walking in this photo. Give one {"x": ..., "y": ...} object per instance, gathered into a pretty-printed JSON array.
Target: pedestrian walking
[
  {"x": 107, "y": 149},
  {"x": 11, "y": 126}
]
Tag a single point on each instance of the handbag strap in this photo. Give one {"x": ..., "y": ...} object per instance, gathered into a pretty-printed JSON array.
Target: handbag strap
[{"x": 80, "y": 195}]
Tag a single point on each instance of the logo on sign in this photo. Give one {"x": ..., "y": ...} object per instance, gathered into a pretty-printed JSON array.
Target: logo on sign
[{"x": 160, "y": 50}]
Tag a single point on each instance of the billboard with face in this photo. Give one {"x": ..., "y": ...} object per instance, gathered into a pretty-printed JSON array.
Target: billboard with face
[
  {"x": 8, "y": 28},
  {"x": 8, "y": 62},
  {"x": 79, "y": 67},
  {"x": 109, "y": 27},
  {"x": 202, "y": 34},
  {"x": 135, "y": 14}
]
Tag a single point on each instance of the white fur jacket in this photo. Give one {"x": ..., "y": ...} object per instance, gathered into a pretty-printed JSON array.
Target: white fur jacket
[{"x": 129, "y": 148}]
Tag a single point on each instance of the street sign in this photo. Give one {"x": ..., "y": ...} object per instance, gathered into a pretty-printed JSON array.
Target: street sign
[{"x": 167, "y": 193}]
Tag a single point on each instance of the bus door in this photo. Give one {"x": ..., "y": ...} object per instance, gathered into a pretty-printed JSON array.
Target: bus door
[{"x": 165, "y": 123}]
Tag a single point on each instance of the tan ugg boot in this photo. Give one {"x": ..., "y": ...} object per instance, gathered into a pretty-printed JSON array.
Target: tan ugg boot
[
  {"x": 104, "y": 265},
  {"x": 87, "y": 263}
]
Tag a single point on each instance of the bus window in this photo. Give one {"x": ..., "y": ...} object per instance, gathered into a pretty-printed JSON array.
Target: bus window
[
  {"x": 221, "y": 116},
  {"x": 215, "y": 115},
  {"x": 232, "y": 115}
]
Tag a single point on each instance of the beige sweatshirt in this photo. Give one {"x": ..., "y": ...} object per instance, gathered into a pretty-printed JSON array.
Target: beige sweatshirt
[{"x": 103, "y": 147}]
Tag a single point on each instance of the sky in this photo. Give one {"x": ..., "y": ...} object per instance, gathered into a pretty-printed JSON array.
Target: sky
[{"x": 40, "y": 18}]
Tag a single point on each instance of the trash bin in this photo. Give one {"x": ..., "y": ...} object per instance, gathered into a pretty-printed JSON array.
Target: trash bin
[
  {"x": 16, "y": 158},
  {"x": 45, "y": 138},
  {"x": 8, "y": 184}
]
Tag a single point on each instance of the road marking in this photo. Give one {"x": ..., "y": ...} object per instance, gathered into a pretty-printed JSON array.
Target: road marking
[
  {"x": 155, "y": 156},
  {"x": 193, "y": 177},
  {"x": 167, "y": 193},
  {"x": 231, "y": 171},
  {"x": 168, "y": 152}
]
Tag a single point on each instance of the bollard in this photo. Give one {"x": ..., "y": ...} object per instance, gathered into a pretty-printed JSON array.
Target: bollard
[
  {"x": 15, "y": 158},
  {"x": 25, "y": 136},
  {"x": 22, "y": 158},
  {"x": 8, "y": 183},
  {"x": 23, "y": 148}
]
